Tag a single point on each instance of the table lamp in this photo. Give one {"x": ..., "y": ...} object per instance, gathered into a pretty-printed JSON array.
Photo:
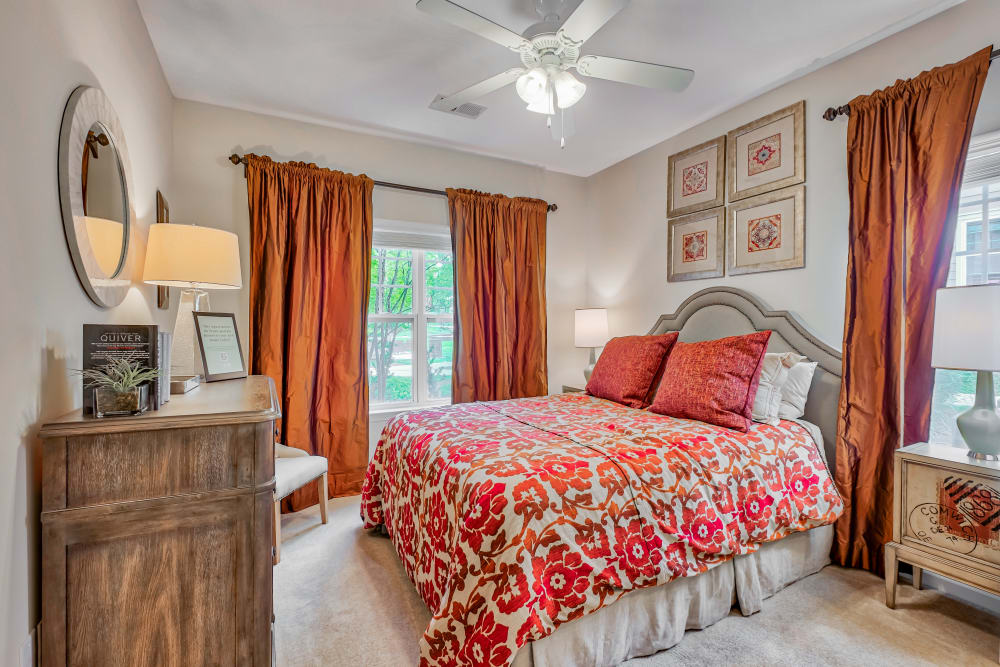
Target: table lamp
[
  {"x": 194, "y": 259},
  {"x": 591, "y": 331},
  {"x": 967, "y": 338}
]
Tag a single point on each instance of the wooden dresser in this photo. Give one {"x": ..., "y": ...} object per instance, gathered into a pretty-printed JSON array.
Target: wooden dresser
[
  {"x": 946, "y": 517},
  {"x": 156, "y": 532}
]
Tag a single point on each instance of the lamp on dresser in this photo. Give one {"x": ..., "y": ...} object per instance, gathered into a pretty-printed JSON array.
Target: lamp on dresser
[
  {"x": 591, "y": 330},
  {"x": 194, "y": 259},
  {"x": 967, "y": 338}
]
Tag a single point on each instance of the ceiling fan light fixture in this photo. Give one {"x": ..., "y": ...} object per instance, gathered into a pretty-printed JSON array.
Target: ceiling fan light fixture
[
  {"x": 545, "y": 104},
  {"x": 532, "y": 85},
  {"x": 569, "y": 90},
  {"x": 539, "y": 91}
]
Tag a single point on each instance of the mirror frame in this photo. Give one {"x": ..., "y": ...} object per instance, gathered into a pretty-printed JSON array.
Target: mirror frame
[{"x": 86, "y": 106}]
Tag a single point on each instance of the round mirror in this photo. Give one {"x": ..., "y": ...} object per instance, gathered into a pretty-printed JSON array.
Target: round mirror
[{"x": 95, "y": 194}]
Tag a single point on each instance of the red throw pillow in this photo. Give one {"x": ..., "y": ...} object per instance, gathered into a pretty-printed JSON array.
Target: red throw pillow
[
  {"x": 627, "y": 368},
  {"x": 713, "y": 381}
]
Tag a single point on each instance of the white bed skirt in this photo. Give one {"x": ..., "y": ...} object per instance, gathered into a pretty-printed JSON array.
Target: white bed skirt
[{"x": 652, "y": 619}]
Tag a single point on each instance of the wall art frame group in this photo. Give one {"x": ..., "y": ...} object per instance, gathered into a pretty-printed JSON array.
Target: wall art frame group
[{"x": 748, "y": 217}]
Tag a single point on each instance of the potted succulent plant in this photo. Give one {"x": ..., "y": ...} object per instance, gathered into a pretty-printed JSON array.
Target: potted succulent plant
[{"x": 121, "y": 387}]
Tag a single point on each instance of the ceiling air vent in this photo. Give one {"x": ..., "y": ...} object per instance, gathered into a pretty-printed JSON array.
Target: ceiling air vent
[{"x": 466, "y": 110}]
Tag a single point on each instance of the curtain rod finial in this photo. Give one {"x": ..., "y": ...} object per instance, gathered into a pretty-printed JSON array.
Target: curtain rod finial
[
  {"x": 832, "y": 112},
  {"x": 235, "y": 159}
]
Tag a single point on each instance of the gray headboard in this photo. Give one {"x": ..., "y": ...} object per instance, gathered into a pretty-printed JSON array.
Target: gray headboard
[{"x": 726, "y": 311}]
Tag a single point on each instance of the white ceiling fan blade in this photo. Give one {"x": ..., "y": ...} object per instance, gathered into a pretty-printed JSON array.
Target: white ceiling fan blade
[
  {"x": 477, "y": 90},
  {"x": 635, "y": 72},
  {"x": 588, "y": 18},
  {"x": 463, "y": 18}
]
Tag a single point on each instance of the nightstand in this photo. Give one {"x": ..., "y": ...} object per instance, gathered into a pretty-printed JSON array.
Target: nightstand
[
  {"x": 946, "y": 518},
  {"x": 567, "y": 389}
]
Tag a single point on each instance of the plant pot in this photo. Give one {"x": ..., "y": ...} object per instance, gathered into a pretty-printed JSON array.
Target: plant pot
[{"x": 111, "y": 403}]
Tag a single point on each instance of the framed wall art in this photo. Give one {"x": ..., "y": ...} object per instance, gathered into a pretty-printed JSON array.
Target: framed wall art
[
  {"x": 696, "y": 178},
  {"x": 696, "y": 245},
  {"x": 767, "y": 154},
  {"x": 767, "y": 232},
  {"x": 162, "y": 216}
]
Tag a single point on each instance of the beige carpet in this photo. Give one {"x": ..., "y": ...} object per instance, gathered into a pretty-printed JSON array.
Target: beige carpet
[{"x": 341, "y": 598}]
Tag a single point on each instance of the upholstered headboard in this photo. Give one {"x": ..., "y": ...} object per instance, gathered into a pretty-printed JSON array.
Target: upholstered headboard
[{"x": 726, "y": 311}]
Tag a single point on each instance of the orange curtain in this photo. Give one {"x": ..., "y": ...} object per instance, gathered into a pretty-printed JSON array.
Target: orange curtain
[
  {"x": 906, "y": 149},
  {"x": 500, "y": 337},
  {"x": 310, "y": 251}
]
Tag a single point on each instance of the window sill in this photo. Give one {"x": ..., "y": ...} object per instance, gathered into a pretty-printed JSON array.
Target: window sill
[{"x": 385, "y": 412}]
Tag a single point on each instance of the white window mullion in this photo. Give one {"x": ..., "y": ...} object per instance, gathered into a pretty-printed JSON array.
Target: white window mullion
[
  {"x": 419, "y": 329},
  {"x": 984, "y": 190}
]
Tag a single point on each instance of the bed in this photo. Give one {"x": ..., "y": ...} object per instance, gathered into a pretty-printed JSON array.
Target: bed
[{"x": 572, "y": 530}]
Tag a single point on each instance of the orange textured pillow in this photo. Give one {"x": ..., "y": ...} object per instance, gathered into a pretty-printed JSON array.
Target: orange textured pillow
[
  {"x": 713, "y": 381},
  {"x": 627, "y": 368}
]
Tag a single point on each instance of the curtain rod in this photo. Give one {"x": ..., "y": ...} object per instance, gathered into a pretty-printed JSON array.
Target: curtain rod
[
  {"x": 238, "y": 159},
  {"x": 845, "y": 109}
]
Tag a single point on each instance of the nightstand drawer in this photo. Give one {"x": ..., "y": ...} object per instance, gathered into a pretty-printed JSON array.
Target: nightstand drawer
[{"x": 950, "y": 509}]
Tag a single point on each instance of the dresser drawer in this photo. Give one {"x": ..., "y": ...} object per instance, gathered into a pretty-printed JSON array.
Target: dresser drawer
[
  {"x": 951, "y": 510},
  {"x": 86, "y": 470}
]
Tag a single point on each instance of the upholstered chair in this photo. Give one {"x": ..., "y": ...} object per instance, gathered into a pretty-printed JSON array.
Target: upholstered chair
[{"x": 293, "y": 469}]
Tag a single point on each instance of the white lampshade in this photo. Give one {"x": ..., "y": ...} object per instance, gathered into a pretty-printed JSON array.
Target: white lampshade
[
  {"x": 531, "y": 86},
  {"x": 568, "y": 89},
  {"x": 591, "y": 327},
  {"x": 967, "y": 328},
  {"x": 105, "y": 237},
  {"x": 191, "y": 256}
]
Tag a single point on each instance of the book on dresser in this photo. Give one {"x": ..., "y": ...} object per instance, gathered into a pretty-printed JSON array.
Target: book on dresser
[
  {"x": 103, "y": 342},
  {"x": 157, "y": 529}
]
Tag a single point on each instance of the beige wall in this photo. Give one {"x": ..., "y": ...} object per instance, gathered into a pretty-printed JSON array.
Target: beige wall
[
  {"x": 47, "y": 48},
  {"x": 627, "y": 253}
]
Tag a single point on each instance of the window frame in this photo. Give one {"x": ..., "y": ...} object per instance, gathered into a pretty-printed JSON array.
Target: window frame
[
  {"x": 985, "y": 249},
  {"x": 982, "y": 169},
  {"x": 418, "y": 320}
]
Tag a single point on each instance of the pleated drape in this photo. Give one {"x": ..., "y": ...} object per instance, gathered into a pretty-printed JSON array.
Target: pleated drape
[
  {"x": 500, "y": 328},
  {"x": 906, "y": 148},
  {"x": 310, "y": 251}
]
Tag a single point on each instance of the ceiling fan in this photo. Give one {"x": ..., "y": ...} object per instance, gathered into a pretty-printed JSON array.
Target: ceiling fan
[{"x": 548, "y": 50}]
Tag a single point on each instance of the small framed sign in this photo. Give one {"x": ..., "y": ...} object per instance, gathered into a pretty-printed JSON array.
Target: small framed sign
[{"x": 220, "y": 346}]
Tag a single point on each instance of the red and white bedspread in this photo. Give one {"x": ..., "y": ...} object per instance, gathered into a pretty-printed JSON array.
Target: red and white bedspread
[{"x": 514, "y": 517}]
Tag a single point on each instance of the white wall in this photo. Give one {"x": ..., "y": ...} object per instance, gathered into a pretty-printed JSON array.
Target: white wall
[
  {"x": 209, "y": 190},
  {"x": 47, "y": 48},
  {"x": 627, "y": 253}
]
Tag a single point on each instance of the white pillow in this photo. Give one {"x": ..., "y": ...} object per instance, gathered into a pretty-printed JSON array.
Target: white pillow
[
  {"x": 773, "y": 376},
  {"x": 796, "y": 389}
]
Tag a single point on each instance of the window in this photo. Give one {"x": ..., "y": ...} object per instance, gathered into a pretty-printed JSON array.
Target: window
[
  {"x": 410, "y": 327},
  {"x": 975, "y": 261}
]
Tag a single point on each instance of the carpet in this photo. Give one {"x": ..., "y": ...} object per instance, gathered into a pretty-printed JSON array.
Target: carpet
[{"x": 341, "y": 598}]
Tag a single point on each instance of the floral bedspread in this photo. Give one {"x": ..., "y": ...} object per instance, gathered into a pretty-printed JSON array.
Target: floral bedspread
[{"x": 514, "y": 517}]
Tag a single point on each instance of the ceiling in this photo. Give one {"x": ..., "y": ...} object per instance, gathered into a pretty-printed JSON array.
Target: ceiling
[{"x": 375, "y": 65}]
